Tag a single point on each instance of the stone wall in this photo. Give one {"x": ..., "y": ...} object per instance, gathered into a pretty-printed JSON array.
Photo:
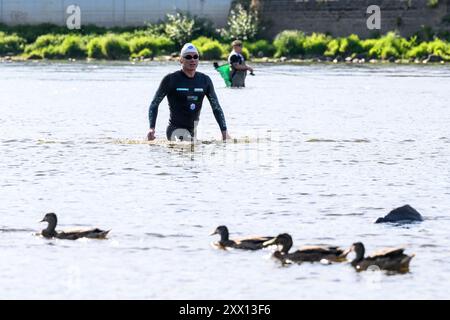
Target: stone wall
[{"x": 344, "y": 17}]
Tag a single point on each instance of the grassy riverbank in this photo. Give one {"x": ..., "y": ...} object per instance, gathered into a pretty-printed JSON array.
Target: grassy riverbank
[{"x": 24, "y": 43}]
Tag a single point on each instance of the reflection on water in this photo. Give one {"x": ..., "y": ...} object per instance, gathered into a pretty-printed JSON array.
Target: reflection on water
[{"x": 320, "y": 152}]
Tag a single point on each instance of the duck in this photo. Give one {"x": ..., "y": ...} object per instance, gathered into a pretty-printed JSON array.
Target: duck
[
  {"x": 250, "y": 243},
  {"x": 50, "y": 231},
  {"x": 403, "y": 214},
  {"x": 392, "y": 259},
  {"x": 304, "y": 254}
]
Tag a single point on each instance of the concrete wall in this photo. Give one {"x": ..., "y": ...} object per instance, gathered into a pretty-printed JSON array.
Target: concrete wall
[
  {"x": 109, "y": 12},
  {"x": 338, "y": 17},
  {"x": 343, "y": 17}
]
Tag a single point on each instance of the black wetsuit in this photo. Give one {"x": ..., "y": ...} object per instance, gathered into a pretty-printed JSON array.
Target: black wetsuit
[{"x": 185, "y": 96}]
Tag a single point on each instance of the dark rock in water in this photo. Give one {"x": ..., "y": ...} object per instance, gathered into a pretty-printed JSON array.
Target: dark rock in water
[
  {"x": 361, "y": 56},
  {"x": 402, "y": 214}
]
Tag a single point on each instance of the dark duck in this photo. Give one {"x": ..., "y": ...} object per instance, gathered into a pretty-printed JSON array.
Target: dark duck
[
  {"x": 50, "y": 231},
  {"x": 388, "y": 259},
  {"x": 250, "y": 243},
  {"x": 305, "y": 254}
]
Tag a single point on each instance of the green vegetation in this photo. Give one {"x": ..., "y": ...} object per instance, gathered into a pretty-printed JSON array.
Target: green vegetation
[
  {"x": 180, "y": 28},
  {"x": 209, "y": 49},
  {"x": 289, "y": 43},
  {"x": 11, "y": 44},
  {"x": 296, "y": 44},
  {"x": 261, "y": 48},
  {"x": 167, "y": 37},
  {"x": 242, "y": 24},
  {"x": 433, "y": 3},
  {"x": 115, "y": 48}
]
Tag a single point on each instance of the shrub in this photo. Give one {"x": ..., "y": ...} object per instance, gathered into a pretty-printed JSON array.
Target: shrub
[
  {"x": 180, "y": 28},
  {"x": 316, "y": 44},
  {"x": 73, "y": 47},
  {"x": 368, "y": 44},
  {"x": 387, "y": 46},
  {"x": 333, "y": 48},
  {"x": 164, "y": 45},
  {"x": 351, "y": 45},
  {"x": 115, "y": 47},
  {"x": 261, "y": 48},
  {"x": 94, "y": 48},
  {"x": 157, "y": 45},
  {"x": 433, "y": 3},
  {"x": 242, "y": 24},
  {"x": 145, "y": 53},
  {"x": 141, "y": 43},
  {"x": 389, "y": 52},
  {"x": 144, "y": 43},
  {"x": 11, "y": 44},
  {"x": 289, "y": 43},
  {"x": 51, "y": 52},
  {"x": 201, "y": 41},
  {"x": 439, "y": 48},
  {"x": 204, "y": 27},
  {"x": 419, "y": 51},
  {"x": 209, "y": 49},
  {"x": 45, "y": 41},
  {"x": 245, "y": 53},
  {"x": 46, "y": 46}
]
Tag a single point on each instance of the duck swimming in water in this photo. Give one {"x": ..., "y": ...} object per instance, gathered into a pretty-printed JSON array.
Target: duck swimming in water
[
  {"x": 403, "y": 214},
  {"x": 305, "y": 254},
  {"x": 50, "y": 231},
  {"x": 387, "y": 259},
  {"x": 254, "y": 243}
]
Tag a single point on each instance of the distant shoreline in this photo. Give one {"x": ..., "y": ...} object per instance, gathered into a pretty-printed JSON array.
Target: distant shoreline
[
  {"x": 275, "y": 61},
  {"x": 290, "y": 46}
]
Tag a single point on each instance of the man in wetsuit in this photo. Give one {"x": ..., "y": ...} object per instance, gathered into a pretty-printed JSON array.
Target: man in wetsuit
[
  {"x": 185, "y": 90},
  {"x": 238, "y": 66}
]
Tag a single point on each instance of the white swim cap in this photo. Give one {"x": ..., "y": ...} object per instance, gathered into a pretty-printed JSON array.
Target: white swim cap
[{"x": 188, "y": 47}]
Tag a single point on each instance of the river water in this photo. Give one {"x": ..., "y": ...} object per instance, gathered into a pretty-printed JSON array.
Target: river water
[{"x": 321, "y": 151}]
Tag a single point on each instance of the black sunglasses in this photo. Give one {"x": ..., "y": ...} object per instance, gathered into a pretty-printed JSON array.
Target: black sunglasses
[{"x": 189, "y": 57}]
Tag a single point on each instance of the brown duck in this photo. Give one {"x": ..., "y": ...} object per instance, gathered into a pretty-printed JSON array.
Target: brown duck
[
  {"x": 305, "y": 254},
  {"x": 50, "y": 231},
  {"x": 254, "y": 243},
  {"x": 387, "y": 259}
]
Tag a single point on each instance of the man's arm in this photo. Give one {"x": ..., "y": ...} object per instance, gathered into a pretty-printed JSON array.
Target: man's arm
[
  {"x": 242, "y": 67},
  {"x": 217, "y": 109},
  {"x": 153, "y": 110},
  {"x": 234, "y": 61}
]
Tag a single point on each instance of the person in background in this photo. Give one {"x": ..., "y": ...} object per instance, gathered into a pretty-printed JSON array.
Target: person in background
[{"x": 239, "y": 69}]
